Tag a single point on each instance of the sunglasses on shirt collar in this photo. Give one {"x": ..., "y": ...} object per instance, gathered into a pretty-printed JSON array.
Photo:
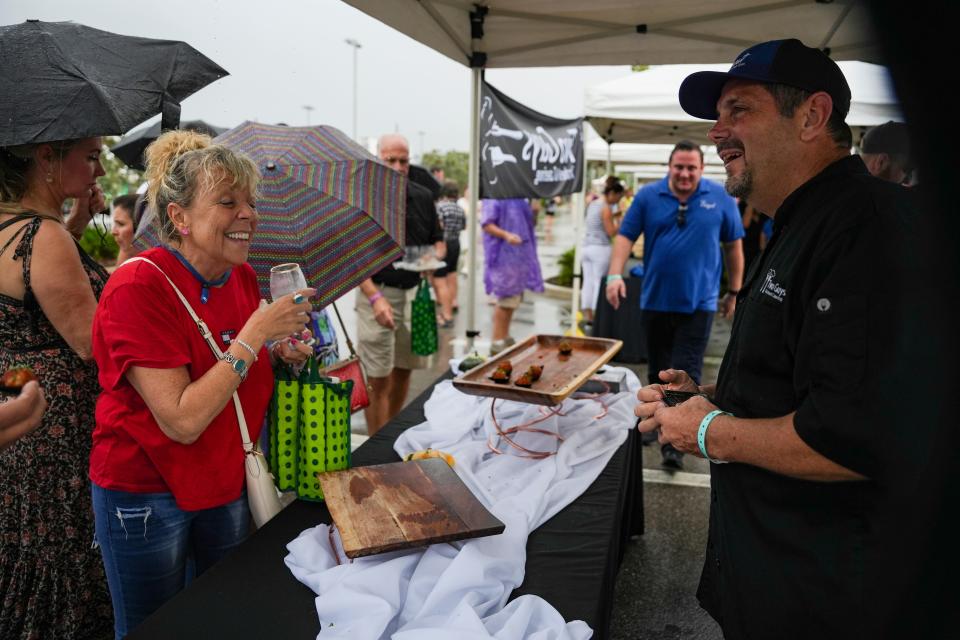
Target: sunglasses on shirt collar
[{"x": 682, "y": 215}]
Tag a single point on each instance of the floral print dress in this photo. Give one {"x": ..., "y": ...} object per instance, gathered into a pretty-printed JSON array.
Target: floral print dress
[{"x": 52, "y": 583}]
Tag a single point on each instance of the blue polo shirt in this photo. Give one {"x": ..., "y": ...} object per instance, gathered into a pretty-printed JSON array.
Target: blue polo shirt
[{"x": 682, "y": 266}]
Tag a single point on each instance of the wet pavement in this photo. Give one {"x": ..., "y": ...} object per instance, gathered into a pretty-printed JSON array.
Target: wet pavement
[{"x": 655, "y": 595}]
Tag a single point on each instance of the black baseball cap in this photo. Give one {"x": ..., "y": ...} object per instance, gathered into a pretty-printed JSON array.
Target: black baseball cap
[{"x": 788, "y": 62}]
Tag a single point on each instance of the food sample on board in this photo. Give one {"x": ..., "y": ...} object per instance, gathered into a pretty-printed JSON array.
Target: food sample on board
[{"x": 500, "y": 376}]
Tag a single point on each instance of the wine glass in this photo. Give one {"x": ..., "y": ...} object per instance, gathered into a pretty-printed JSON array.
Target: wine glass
[{"x": 286, "y": 279}]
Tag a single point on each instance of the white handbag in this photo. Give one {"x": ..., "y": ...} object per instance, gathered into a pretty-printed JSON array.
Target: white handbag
[{"x": 262, "y": 495}]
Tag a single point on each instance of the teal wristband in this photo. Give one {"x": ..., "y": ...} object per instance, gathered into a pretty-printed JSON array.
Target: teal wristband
[
  {"x": 614, "y": 276},
  {"x": 702, "y": 433}
]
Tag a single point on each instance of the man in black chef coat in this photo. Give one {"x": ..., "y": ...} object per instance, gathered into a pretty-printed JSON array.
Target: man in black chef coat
[{"x": 793, "y": 412}]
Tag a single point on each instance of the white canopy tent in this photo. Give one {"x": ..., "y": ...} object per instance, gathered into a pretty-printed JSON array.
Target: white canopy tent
[
  {"x": 550, "y": 33},
  {"x": 649, "y": 171},
  {"x": 633, "y": 157},
  {"x": 597, "y": 149},
  {"x": 643, "y": 106}
]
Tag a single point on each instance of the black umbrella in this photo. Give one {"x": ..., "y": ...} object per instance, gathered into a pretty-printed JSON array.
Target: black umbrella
[
  {"x": 130, "y": 147},
  {"x": 63, "y": 80},
  {"x": 424, "y": 178}
]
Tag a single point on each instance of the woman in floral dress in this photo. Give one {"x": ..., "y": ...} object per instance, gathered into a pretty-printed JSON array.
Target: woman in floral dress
[{"x": 52, "y": 583}]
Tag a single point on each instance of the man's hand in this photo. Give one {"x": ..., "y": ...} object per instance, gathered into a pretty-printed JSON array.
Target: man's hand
[
  {"x": 651, "y": 397},
  {"x": 728, "y": 304},
  {"x": 679, "y": 424},
  {"x": 383, "y": 313},
  {"x": 512, "y": 238},
  {"x": 616, "y": 290}
]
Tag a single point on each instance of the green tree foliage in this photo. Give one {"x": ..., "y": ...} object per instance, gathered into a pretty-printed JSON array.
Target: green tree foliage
[
  {"x": 120, "y": 179},
  {"x": 455, "y": 165},
  {"x": 99, "y": 244}
]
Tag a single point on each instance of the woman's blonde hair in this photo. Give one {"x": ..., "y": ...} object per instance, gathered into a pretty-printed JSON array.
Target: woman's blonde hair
[{"x": 181, "y": 163}]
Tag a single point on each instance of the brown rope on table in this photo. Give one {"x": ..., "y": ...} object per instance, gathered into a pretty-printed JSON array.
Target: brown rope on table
[
  {"x": 528, "y": 426},
  {"x": 596, "y": 397}
]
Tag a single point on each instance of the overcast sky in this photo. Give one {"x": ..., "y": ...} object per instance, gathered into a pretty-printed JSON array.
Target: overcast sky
[{"x": 283, "y": 55}]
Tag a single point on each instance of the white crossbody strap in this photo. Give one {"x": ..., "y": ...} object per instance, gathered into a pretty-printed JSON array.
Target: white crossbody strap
[{"x": 208, "y": 337}]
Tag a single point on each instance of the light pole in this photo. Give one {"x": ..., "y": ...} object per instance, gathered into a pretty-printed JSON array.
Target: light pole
[
  {"x": 356, "y": 45},
  {"x": 308, "y": 108}
]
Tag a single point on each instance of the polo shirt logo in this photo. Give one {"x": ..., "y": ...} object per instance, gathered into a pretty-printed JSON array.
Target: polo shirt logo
[
  {"x": 772, "y": 288},
  {"x": 708, "y": 205}
]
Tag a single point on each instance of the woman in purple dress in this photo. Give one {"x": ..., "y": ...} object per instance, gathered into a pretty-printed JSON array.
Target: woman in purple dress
[{"x": 510, "y": 261}]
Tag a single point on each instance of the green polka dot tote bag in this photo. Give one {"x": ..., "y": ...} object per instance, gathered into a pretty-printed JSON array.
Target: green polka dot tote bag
[
  {"x": 423, "y": 322},
  {"x": 309, "y": 429}
]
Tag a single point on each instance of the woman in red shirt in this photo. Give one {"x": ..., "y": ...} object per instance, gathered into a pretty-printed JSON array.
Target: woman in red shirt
[{"x": 167, "y": 460}]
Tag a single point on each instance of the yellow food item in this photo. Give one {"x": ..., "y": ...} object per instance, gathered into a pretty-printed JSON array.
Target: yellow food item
[{"x": 429, "y": 453}]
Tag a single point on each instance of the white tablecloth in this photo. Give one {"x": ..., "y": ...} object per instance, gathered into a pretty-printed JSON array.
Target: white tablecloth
[{"x": 459, "y": 590}]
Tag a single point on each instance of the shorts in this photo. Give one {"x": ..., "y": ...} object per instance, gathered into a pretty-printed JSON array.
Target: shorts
[
  {"x": 382, "y": 349},
  {"x": 452, "y": 258},
  {"x": 510, "y": 302}
]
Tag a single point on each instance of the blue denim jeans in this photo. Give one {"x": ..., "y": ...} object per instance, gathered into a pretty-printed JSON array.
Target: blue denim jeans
[
  {"x": 151, "y": 548},
  {"x": 676, "y": 341}
]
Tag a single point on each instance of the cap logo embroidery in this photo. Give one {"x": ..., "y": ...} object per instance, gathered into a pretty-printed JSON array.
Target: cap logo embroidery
[
  {"x": 739, "y": 62},
  {"x": 772, "y": 288}
]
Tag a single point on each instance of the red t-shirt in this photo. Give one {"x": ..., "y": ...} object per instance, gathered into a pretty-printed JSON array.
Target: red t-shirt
[{"x": 141, "y": 322}]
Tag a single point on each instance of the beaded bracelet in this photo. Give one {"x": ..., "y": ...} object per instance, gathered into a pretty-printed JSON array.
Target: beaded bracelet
[
  {"x": 247, "y": 347},
  {"x": 375, "y": 297}
]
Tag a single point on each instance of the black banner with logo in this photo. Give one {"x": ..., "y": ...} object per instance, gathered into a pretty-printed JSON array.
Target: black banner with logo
[{"x": 525, "y": 154}]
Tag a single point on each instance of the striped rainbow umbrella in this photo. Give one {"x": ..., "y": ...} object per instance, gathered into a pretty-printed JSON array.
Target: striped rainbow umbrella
[{"x": 325, "y": 203}]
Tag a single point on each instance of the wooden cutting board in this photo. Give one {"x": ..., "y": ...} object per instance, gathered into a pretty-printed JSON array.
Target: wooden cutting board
[{"x": 400, "y": 505}]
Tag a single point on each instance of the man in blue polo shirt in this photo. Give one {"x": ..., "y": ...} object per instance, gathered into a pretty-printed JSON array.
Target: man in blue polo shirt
[{"x": 684, "y": 218}]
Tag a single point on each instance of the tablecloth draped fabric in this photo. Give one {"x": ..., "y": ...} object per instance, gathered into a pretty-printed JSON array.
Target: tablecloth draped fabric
[{"x": 461, "y": 588}]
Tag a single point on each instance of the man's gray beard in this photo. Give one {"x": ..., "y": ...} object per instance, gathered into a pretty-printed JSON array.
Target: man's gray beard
[{"x": 740, "y": 186}]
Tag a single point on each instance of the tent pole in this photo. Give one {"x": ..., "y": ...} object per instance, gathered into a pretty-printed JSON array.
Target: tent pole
[
  {"x": 473, "y": 220},
  {"x": 578, "y": 204},
  {"x": 609, "y": 159}
]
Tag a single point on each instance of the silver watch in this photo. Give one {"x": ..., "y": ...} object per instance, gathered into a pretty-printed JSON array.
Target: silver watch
[{"x": 239, "y": 365}]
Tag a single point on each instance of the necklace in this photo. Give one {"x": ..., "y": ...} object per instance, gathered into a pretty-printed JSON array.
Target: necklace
[{"x": 204, "y": 283}]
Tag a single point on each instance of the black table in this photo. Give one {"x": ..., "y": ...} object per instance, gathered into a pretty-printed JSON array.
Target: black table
[
  {"x": 623, "y": 323},
  {"x": 572, "y": 560}
]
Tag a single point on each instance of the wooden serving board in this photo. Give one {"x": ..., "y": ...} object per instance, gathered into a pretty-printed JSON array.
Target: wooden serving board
[
  {"x": 562, "y": 375},
  {"x": 400, "y": 505}
]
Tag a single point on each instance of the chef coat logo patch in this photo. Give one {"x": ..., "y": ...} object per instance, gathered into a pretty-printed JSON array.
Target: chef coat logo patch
[{"x": 772, "y": 288}]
